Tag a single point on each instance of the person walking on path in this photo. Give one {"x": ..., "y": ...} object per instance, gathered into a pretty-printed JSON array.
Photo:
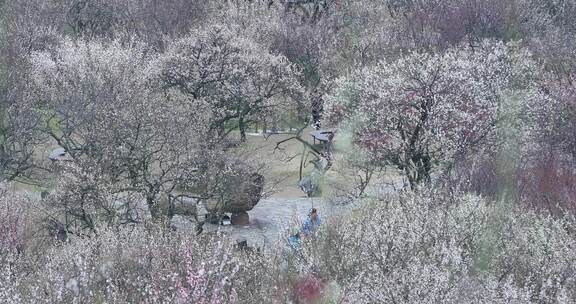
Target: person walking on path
[{"x": 311, "y": 223}]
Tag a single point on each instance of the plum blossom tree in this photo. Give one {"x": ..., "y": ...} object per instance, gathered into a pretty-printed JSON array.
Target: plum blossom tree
[
  {"x": 11, "y": 234},
  {"x": 151, "y": 21},
  {"x": 546, "y": 176},
  {"x": 428, "y": 24},
  {"x": 551, "y": 110},
  {"x": 21, "y": 33},
  {"x": 426, "y": 109},
  {"x": 238, "y": 78},
  {"x": 100, "y": 103},
  {"x": 18, "y": 142},
  {"x": 551, "y": 31}
]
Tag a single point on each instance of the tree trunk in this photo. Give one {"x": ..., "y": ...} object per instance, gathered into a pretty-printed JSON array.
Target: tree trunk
[
  {"x": 242, "y": 127},
  {"x": 160, "y": 208},
  {"x": 317, "y": 108},
  {"x": 418, "y": 169}
]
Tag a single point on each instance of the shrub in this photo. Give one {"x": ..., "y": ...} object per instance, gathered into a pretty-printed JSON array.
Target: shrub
[{"x": 423, "y": 247}]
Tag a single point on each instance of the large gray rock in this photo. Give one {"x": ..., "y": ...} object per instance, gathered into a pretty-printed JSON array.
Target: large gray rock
[
  {"x": 246, "y": 195},
  {"x": 241, "y": 194}
]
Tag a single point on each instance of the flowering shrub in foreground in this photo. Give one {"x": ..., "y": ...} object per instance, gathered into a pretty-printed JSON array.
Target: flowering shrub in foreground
[
  {"x": 432, "y": 248},
  {"x": 425, "y": 247}
]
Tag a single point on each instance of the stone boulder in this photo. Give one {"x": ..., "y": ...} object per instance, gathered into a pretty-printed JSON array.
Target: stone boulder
[
  {"x": 241, "y": 194},
  {"x": 246, "y": 195}
]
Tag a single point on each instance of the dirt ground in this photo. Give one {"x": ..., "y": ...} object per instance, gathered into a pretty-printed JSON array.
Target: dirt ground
[{"x": 282, "y": 166}]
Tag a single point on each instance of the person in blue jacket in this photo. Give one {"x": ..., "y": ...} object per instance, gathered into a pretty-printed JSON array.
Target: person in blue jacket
[
  {"x": 311, "y": 223},
  {"x": 295, "y": 242}
]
